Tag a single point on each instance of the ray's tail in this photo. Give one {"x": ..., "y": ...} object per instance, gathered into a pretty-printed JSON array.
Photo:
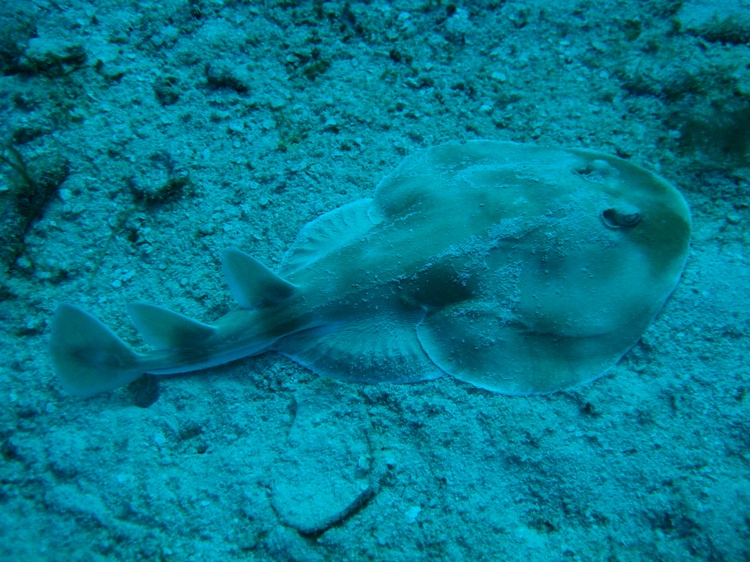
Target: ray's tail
[{"x": 88, "y": 357}]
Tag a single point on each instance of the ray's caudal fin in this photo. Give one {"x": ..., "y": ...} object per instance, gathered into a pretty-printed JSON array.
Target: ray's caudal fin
[{"x": 88, "y": 357}]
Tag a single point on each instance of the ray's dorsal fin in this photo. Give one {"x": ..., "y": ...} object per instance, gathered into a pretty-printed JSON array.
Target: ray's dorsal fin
[
  {"x": 251, "y": 283},
  {"x": 165, "y": 329}
]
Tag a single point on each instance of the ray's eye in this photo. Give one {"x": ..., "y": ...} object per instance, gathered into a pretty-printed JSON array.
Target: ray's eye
[{"x": 620, "y": 218}]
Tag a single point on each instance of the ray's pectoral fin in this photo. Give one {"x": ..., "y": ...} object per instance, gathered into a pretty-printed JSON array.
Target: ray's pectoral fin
[{"x": 476, "y": 344}]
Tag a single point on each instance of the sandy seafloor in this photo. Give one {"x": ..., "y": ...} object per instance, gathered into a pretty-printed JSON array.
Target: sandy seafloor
[{"x": 185, "y": 127}]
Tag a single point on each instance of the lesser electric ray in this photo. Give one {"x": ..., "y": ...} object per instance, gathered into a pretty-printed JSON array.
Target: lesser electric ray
[{"x": 516, "y": 268}]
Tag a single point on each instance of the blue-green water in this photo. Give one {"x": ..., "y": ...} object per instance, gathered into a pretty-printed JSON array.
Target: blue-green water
[{"x": 146, "y": 138}]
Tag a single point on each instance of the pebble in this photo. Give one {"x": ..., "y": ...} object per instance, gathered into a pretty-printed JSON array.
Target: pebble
[
  {"x": 412, "y": 513},
  {"x": 207, "y": 229},
  {"x": 23, "y": 262},
  {"x": 734, "y": 218}
]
